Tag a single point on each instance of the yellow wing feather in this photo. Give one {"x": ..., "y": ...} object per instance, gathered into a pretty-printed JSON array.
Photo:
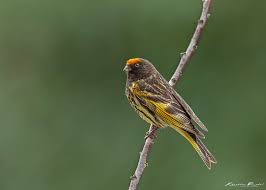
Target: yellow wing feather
[
  {"x": 174, "y": 121},
  {"x": 160, "y": 109}
]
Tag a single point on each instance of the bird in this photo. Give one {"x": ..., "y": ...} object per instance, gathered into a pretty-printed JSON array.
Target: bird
[{"x": 156, "y": 102}]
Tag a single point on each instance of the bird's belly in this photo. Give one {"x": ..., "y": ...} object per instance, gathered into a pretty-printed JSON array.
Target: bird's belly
[
  {"x": 144, "y": 117},
  {"x": 145, "y": 114}
]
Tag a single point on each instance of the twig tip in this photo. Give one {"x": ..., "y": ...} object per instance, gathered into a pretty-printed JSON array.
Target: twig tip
[
  {"x": 182, "y": 53},
  {"x": 146, "y": 164},
  {"x": 133, "y": 177},
  {"x": 200, "y": 21}
]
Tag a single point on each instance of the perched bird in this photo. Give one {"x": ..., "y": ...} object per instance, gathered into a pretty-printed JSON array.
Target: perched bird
[{"x": 159, "y": 104}]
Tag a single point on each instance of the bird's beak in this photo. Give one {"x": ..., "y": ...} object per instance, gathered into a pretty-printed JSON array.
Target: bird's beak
[{"x": 127, "y": 68}]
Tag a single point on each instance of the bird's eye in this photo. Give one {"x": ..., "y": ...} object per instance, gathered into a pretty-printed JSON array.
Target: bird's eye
[{"x": 137, "y": 65}]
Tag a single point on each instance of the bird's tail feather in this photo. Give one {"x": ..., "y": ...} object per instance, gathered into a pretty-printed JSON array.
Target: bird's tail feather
[{"x": 201, "y": 149}]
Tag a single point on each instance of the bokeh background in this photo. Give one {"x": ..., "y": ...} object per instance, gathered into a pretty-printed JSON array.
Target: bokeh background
[{"x": 64, "y": 120}]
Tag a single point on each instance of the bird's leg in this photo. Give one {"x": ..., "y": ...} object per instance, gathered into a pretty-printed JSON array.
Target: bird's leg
[{"x": 151, "y": 133}]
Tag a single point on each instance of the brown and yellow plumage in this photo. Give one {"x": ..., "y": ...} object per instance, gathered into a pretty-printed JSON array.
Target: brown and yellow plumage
[{"x": 159, "y": 104}]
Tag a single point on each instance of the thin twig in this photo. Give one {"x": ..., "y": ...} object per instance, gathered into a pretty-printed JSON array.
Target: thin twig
[
  {"x": 142, "y": 164},
  {"x": 193, "y": 43}
]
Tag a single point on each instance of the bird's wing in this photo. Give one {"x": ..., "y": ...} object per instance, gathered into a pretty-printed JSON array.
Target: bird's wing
[
  {"x": 188, "y": 109},
  {"x": 160, "y": 99}
]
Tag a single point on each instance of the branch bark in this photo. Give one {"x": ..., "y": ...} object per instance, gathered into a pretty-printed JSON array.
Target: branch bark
[{"x": 142, "y": 164}]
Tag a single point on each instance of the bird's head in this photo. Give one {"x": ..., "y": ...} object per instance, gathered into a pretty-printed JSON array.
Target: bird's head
[{"x": 138, "y": 68}]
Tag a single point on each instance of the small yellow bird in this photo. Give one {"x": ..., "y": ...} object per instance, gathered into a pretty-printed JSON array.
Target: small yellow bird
[{"x": 159, "y": 104}]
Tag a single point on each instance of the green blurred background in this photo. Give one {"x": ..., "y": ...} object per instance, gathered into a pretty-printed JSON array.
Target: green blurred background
[{"x": 65, "y": 122}]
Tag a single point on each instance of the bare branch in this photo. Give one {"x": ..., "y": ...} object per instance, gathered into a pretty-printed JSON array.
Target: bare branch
[
  {"x": 142, "y": 164},
  {"x": 193, "y": 43}
]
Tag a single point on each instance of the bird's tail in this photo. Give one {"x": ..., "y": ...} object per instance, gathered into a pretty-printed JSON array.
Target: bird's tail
[{"x": 201, "y": 149}]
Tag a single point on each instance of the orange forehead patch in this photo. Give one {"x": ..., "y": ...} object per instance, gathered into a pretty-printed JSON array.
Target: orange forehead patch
[{"x": 133, "y": 60}]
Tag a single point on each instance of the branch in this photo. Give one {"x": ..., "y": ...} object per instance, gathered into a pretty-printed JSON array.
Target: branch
[
  {"x": 142, "y": 164},
  {"x": 193, "y": 43}
]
